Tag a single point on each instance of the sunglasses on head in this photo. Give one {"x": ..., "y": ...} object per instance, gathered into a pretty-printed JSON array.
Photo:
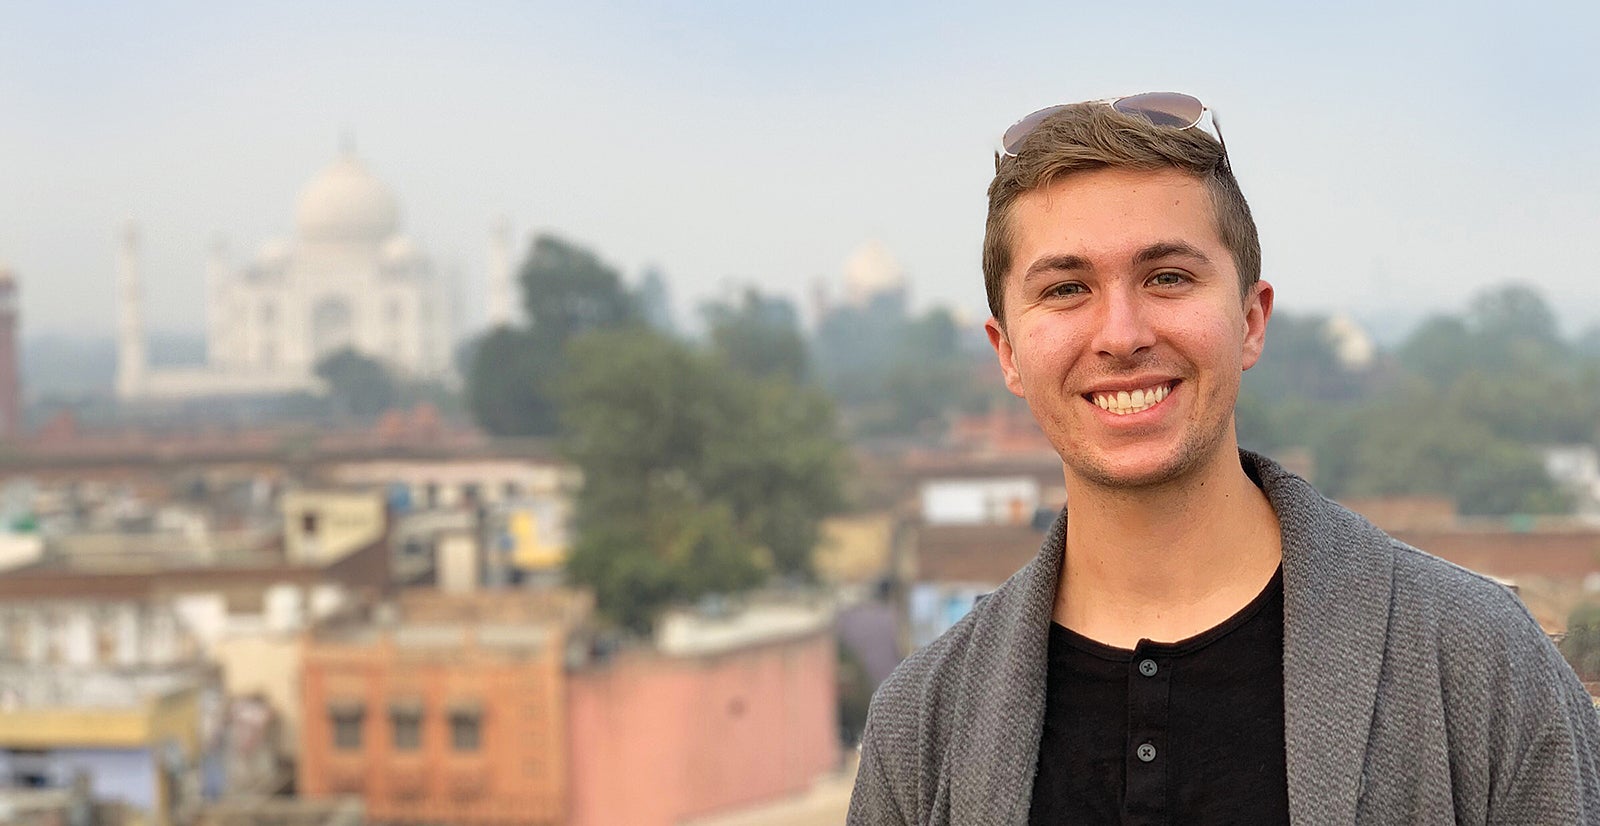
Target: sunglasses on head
[{"x": 1174, "y": 109}]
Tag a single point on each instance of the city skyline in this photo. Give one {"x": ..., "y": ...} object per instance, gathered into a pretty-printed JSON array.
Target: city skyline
[{"x": 1397, "y": 160}]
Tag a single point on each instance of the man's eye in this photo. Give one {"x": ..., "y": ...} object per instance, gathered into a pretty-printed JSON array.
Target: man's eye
[
  {"x": 1167, "y": 279},
  {"x": 1069, "y": 288}
]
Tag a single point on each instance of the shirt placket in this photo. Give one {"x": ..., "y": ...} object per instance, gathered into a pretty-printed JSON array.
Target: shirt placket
[{"x": 1146, "y": 750}]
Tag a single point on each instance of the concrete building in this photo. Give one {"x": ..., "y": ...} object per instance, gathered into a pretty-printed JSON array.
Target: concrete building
[
  {"x": 136, "y": 736},
  {"x": 243, "y": 610},
  {"x": 348, "y": 279},
  {"x": 728, "y": 710},
  {"x": 444, "y": 708}
]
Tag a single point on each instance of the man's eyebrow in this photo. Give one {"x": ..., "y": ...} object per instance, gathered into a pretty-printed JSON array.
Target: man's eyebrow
[
  {"x": 1056, "y": 263},
  {"x": 1170, "y": 249}
]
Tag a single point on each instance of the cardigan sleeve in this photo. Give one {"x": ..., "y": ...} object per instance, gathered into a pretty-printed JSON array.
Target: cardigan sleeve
[
  {"x": 872, "y": 802},
  {"x": 1555, "y": 772}
]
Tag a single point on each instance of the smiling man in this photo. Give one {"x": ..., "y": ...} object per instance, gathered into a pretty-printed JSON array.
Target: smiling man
[{"x": 1202, "y": 637}]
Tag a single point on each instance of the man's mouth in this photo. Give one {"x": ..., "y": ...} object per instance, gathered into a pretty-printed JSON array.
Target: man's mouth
[{"x": 1125, "y": 402}]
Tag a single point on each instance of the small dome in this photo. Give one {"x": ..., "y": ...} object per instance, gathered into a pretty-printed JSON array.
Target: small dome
[
  {"x": 401, "y": 250},
  {"x": 1352, "y": 346},
  {"x": 346, "y": 203},
  {"x": 276, "y": 251},
  {"x": 871, "y": 270}
]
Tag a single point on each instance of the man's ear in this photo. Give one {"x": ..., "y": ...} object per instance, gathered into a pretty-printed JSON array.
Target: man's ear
[
  {"x": 1002, "y": 350},
  {"x": 1257, "y": 310}
]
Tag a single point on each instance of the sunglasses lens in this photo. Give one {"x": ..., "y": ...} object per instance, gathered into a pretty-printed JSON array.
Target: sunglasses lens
[
  {"x": 1011, "y": 141},
  {"x": 1163, "y": 108}
]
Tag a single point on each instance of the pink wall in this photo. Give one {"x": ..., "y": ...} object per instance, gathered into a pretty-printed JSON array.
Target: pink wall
[{"x": 655, "y": 739}]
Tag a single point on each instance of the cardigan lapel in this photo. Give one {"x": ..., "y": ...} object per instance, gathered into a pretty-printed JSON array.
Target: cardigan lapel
[
  {"x": 1000, "y": 703},
  {"x": 1337, "y": 586},
  {"x": 1336, "y": 609}
]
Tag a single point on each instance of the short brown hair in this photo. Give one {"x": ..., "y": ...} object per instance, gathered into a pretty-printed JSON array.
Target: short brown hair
[{"x": 1090, "y": 136}]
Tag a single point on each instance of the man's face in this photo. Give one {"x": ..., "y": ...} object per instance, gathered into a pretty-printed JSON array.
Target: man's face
[{"x": 1125, "y": 330}]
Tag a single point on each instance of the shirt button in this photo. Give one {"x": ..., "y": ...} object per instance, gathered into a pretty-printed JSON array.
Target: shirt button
[
  {"x": 1148, "y": 668},
  {"x": 1146, "y": 752}
]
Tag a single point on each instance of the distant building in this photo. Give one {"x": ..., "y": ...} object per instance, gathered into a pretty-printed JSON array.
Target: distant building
[
  {"x": 146, "y": 606},
  {"x": 443, "y": 709},
  {"x": 733, "y": 707},
  {"x": 873, "y": 278},
  {"x": 1352, "y": 345},
  {"x": 349, "y": 279},
  {"x": 135, "y": 735}
]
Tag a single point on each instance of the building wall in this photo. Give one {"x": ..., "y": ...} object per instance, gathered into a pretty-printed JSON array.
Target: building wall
[
  {"x": 658, "y": 739},
  {"x": 339, "y": 523},
  {"x": 266, "y": 665},
  {"x": 1565, "y": 555},
  {"x": 119, "y": 748},
  {"x": 517, "y": 776},
  {"x": 122, "y": 775}
]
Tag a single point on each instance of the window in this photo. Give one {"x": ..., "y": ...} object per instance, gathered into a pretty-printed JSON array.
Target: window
[
  {"x": 466, "y": 728},
  {"x": 406, "y": 718},
  {"x": 347, "y": 718}
]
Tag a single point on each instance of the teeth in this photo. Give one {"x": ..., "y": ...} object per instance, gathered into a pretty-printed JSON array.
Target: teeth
[{"x": 1124, "y": 402}]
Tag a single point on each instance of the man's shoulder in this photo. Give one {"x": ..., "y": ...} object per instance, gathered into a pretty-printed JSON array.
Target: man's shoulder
[
  {"x": 1472, "y": 618},
  {"x": 932, "y": 676}
]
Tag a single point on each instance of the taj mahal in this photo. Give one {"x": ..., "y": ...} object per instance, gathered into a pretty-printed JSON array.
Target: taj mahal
[{"x": 349, "y": 278}]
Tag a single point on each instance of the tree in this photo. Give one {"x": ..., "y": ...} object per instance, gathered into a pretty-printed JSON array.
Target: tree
[
  {"x": 1581, "y": 645},
  {"x": 760, "y": 336},
  {"x": 697, "y": 479},
  {"x": 509, "y": 384},
  {"x": 1410, "y": 443},
  {"x": 359, "y": 385},
  {"x": 514, "y": 372},
  {"x": 895, "y": 374},
  {"x": 567, "y": 290},
  {"x": 1440, "y": 350}
]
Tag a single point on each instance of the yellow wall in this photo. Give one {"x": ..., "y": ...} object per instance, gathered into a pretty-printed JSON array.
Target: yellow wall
[
  {"x": 175, "y": 716},
  {"x": 532, "y": 545},
  {"x": 854, "y": 548},
  {"x": 346, "y": 521}
]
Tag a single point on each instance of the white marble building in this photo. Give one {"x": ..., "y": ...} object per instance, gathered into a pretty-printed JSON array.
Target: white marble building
[{"x": 348, "y": 278}]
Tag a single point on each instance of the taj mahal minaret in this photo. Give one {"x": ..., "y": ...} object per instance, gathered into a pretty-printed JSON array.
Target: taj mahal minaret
[
  {"x": 501, "y": 300},
  {"x": 131, "y": 361}
]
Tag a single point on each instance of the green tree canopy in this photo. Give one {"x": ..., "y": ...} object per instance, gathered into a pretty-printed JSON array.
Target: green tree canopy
[
  {"x": 515, "y": 371},
  {"x": 358, "y": 384},
  {"x": 760, "y": 336},
  {"x": 697, "y": 479},
  {"x": 567, "y": 289},
  {"x": 509, "y": 384}
]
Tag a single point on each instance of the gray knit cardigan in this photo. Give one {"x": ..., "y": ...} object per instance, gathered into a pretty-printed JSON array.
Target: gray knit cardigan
[{"x": 1414, "y": 692}]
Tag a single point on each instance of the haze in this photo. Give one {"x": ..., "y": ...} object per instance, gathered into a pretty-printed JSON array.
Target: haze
[{"x": 1396, "y": 160}]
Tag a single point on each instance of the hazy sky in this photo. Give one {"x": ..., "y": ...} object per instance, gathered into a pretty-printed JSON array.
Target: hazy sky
[{"x": 1396, "y": 159}]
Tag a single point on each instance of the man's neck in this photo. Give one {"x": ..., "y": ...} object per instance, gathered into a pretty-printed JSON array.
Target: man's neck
[{"x": 1165, "y": 563}]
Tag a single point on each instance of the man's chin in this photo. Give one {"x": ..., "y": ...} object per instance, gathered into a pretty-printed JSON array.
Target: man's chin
[{"x": 1134, "y": 472}]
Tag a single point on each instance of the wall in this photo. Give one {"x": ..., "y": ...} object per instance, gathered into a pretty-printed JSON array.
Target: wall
[
  {"x": 124, "y": 775},
  {"x": 344, "y": 523},
  {"x": 518, "y": 776},
  {"x": 268, "y": 666},
  {"x": 658, "y": 739}
]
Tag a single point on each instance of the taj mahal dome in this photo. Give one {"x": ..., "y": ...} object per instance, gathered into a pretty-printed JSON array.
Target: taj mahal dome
[{"x": 348, "y": 278}]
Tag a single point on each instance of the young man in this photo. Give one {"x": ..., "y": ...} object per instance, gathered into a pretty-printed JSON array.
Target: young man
[{"x": 1202, "y": 638}]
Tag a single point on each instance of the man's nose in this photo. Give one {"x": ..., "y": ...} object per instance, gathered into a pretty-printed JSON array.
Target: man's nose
[{"x": 1125, "y": 327}]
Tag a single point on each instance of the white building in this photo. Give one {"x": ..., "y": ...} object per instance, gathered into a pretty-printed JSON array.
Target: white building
[{"x": 349, "y": 278}]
